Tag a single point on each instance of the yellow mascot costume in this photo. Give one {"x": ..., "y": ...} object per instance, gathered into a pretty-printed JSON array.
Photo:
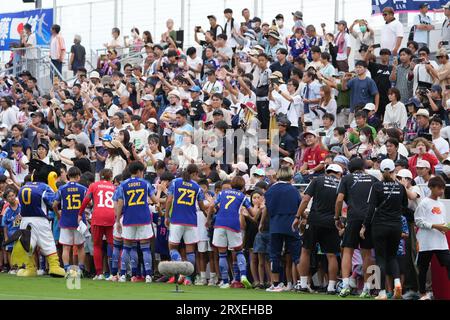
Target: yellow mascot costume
[{"x": 34, "y": 220}]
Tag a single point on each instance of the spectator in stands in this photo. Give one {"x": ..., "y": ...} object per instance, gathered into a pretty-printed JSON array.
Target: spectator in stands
[
  {"x": 77, "y": 55},
  {"x": 392, "y": 32},
  {"x": 57, "y": 49}
]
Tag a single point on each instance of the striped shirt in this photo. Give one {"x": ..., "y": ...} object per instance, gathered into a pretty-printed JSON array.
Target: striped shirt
[{"x": 403, "y": 84}]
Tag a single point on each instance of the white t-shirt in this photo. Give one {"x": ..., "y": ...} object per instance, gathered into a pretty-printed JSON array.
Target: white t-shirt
[
  {"x": 389, "y": 34},
  {"x": 112, "y": 110},
  {"x": 68, "y": 153},
  {"x": 421, "y": 36},
  {"x": 430, "y": 212},
  {"x": 214, "y": 87},
  {"x": 443, "y": 147},
  {"x": 401, "y": 149},
  {"x": 20, "y": 177},
  {"x": 195, "y": 63},
  {"x": 157, "y": 156},
  {"x": 139, "y": 138}
]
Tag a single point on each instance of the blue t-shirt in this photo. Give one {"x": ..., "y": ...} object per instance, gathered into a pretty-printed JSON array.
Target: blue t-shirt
[
  {"x": 70, "y": 196},
  {"x": 184, "y": 206},
  {"x": 33, "y": 199},
  {"x": 361, "y": 92},
  {"x": 11, "y": 220},
  {"x": 298, "y": 47},
  {"x": 178, "y": 138},
  {"x": 135, "y": 193},
  {"x": 230, "y": 202},
  {"x": 282, "y": 202}
]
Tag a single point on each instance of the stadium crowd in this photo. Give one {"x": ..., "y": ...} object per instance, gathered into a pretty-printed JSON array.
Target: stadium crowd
[{"x": 347, "y": 175}]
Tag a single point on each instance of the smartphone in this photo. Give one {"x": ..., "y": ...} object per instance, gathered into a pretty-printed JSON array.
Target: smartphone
[
  {"x": 447, "y": 87},
  {"x": 308, "y": 124},
  {"x": 197, "y": 28},
  {"x": 417, "y": 60},
  {"x": 323, "y": 25},
  {"x": 322, "y": 134},
  {"x": 347, "y": 126},
  {"x": 375, "y": 46},
  {"x": 445, "y": 43}
]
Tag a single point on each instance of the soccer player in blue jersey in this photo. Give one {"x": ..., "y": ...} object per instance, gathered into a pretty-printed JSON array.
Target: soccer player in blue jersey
[
  {"x": 227, "y": 230},
  {"x": 69, "y": 197},
  {"x": 181, "y": 215},
  {"x": 117, "y": 237},
  {"x": 132, "y": 201}
]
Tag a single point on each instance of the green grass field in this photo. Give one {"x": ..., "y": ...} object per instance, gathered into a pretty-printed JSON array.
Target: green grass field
[{"x": 47, "y": 288}]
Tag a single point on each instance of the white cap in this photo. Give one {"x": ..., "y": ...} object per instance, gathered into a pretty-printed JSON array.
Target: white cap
[
  {"x": 241, "y": 166},
  {"x": 446, "y": 6},
  {"x": 288, "y": 160},
  {"x": 152, "y": 120},
  {"x": 423, "y": 164},
  {"x": 148, "y": 97},
  {"x": 95, "y": 75},
  {"x": 335, "y": 168},
  {"x": 405, "y": 173},
  {"x": 423, "y": 112},
  {"x": 175, "y": 93},
  {"x": 3, "y": 126},
  {"x": 387, "y": 165},
  {"x": 369, "y": 107}
]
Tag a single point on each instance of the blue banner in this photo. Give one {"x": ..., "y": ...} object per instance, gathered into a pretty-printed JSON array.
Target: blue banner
[
  {"x": 11, "y": 26},
  {"x": 405, "y": 5}
]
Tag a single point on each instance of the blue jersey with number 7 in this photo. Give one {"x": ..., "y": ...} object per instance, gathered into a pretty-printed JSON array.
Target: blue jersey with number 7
[
  {"x": 184, "y": 206},
  {"x": 135, "y": 193},
  {"x": 230, "y": 202}
]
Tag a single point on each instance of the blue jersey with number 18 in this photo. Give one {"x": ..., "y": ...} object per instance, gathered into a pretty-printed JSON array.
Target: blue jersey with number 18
[
  {"x": 135, "y": 193},
  {"x": 70, "y": 195},
  {"x": 184, "y": 206}
]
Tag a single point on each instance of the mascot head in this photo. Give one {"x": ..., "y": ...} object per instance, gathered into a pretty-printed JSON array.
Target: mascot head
[{"x": 43, "y": 172}]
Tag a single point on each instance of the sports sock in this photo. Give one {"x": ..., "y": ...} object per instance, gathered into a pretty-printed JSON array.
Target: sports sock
[
  {"x": 125, "y": 259},
  {"x": 345, "y": 283},
  {"x": 191, "y": 257},
  {"x": 331, "y": 285},
  {"x": 223, "y": 266},
  {"x": 115, "y": 257},
  {"x": 175, "y": 255},
  {"x": 41, "y": 262},
  {"x": 212, "y": 275},
  {"x": 82, "y": 267},
  {"x": 242, "y": 263},
  {"x": 202, "y": 275},
  {"x": 382, "y": 293},
  {"x": 236, "y": 275},
  {"x": 304, "y": 282},
  {"x": 397, "y": 282},
  {"x": 66, "y": 267},
  {"x": 147, "y": 257},
  {"x": 133, "y": 260}
]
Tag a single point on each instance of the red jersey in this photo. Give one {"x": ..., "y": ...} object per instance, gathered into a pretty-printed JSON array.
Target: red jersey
[
  {"x": 314, "y": 156},
  {"x": 101, "y": 192}
]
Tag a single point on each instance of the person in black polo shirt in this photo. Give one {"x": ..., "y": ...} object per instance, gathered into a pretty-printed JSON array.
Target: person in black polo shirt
[
  {"x": 354, "y": 189},
  {"x": 320, "y": 226},
  {"x": 282, "y": 65},
  {"x": 287, "y": 145},
  {"x": 196, "y": 111}
]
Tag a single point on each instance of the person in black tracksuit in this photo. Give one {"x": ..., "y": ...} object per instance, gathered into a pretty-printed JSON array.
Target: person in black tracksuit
[{"x": 388, "y": 201}]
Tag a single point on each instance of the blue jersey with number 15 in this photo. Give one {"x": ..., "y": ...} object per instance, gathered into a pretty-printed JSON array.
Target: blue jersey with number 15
[
  {"x": 184, "y": 206},
  {"x": 135, "y": 193},
  {"x": 70, "y": 195}
]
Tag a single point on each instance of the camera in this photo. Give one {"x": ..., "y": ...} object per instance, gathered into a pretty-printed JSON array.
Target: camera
[
  {"x": 445, "y": 43},
  {"x": 197, "y": 28},
  {"x": 417, "y": 60}
]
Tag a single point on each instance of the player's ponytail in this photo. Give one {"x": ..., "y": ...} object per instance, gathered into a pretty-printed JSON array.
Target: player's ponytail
[
  {"x": 190, "y": 170},
  {"x": 106, "y": 174}
]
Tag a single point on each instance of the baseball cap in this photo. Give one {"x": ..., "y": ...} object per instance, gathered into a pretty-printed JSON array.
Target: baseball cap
[
  {"x": 310, "y": 132},
  {"x": 446, "y": 6},
  {"x": 387, "y": 165},
  {"x": 436, "y": 88},
  {"x": 43, "y": 145},
  {"x": 342, "y": 160},
  {"x": 288, "y": 160},
  {"x": 369, "y": 107},
  {"x": 175, "y": 93},
  {"x": 37, "y": 114},
  {"x": 95, "y": 75},
  {"x": 341, "y": 22},
  {"x": 423, "y": 164},
  {"x": 69, "y": 101},
  {"x": 251, "y": 106},
  {"x": 298, "y": 14},
  {"x": 413, "y": 101},
  {"x": 152, "y": 120},
  {"x": 335, "y": 168},
  {"x": 259, "y": 172},
  {"x": 217, "y": 112},
  {"x": 71, "y": 137},
  {"x": 405, "y": 173},
  {"x": 16, "y": 144},
  {"x": 211, "y": 16},
  {"x": 148, "y": 97},
  {"x": 241, "y": 166},
  {"x": 423, "y": 112},
  {"x": 423, "y": 5},
  {"x": 195, "y": 89},
  {"x": 279, "y": 16},
  {"x": 3, "y": 126}
]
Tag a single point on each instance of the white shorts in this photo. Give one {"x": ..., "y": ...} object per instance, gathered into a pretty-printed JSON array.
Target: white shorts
[
  {"x": 204, "y": 246},
  {"x": 116, "y": 234},
  {"x": 201, "y": 228},
  {"x": 188, "y": 233},
  {"x": 137, "y": 232},
  {"x": 71, "y": 237},
  {"x": 41, "y": 234},
  {"x": 224, "y": 238}
]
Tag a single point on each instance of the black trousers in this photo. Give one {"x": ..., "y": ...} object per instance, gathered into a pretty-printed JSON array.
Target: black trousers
[
  {"x": 423, "y": 263},
  {"x": 386, "y": 240},
  {"x": 58, "y": 65},
  {"x": 263, "y": 113}
]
